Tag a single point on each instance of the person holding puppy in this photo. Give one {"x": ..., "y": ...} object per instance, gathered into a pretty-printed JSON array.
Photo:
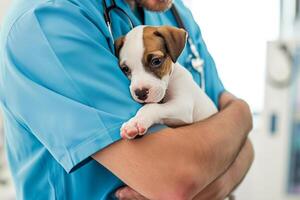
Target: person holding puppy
[{"x": 65, "y": 99}]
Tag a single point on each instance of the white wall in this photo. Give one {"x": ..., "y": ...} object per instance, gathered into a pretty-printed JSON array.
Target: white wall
[{"x": 236, "y": 33}]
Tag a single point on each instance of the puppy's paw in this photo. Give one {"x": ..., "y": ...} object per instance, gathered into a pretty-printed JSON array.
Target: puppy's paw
[{"x": 133, "y": 128}]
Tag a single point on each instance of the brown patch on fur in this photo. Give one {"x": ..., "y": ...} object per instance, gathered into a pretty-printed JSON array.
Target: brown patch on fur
[
  {"x": 155, "y": 46},
  {"x": 174, "y": 38},
  {"x": 118, "y": 45}
]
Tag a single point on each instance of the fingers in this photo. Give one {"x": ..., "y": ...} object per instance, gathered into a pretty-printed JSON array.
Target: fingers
[
  {"x": 215, "y": 191},
  {"x": 127, "y": 193},
  {"x": 231, "y": 197}
]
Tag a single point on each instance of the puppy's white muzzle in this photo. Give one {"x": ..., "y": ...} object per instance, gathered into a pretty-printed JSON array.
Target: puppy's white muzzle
[
  {"x": 147, "y": 94},
  {"x": 148, "y": 90}
]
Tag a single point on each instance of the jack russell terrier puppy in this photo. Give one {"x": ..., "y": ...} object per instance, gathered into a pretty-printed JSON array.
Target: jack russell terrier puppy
[{"x": 148, "y": 57}]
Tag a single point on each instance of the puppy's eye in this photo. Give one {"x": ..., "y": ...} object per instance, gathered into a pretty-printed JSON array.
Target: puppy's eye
[
  {"x": 126, "y": 70},
  {"x": 156, "y": 62}
]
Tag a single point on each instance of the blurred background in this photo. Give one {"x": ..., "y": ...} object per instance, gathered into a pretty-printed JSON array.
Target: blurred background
[{"x": 255, "y": 46}]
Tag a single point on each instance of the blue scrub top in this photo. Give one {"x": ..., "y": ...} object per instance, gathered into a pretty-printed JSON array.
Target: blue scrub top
[{"x": 64, "y": 97}]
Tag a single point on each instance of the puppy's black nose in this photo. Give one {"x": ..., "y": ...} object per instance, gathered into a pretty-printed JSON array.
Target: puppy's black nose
[{"x": 142, "y": 94}]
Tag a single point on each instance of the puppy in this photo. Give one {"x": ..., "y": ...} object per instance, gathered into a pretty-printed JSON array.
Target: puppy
[{"x": 148, "y": 57}]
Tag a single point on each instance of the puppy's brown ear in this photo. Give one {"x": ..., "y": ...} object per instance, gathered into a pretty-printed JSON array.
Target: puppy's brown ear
[
  {"x": 118, "y": 45},
  {"x": 175, "y": 39}
]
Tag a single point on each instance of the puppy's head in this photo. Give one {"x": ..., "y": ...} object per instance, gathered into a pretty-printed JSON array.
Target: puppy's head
[{"x": 147, "y": 56}]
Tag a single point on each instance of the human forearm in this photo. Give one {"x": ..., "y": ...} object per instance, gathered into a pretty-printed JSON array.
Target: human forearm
[
  {"x": 241, "y": 166},
  {"x": 225, "y": 99},
  {"x": 218, "y": 152},
  {"x": 226, "y": 183},
  {"x": 169, "y": 161},
  {"x": 217, "y": 190}
]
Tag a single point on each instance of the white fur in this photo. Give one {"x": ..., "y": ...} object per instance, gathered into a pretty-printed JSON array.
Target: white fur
[{"x": 184, "y": 101}]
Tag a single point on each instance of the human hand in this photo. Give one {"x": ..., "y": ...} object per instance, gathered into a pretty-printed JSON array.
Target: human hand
[
  {"x": 217, "y": 192},
  {"x": 127, "y": 193}
]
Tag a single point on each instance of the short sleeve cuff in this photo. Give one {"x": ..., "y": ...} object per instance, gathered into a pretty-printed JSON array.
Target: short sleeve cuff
[
  {"x": 83, "y": 151},
  {"x": 90, "y": 146}
]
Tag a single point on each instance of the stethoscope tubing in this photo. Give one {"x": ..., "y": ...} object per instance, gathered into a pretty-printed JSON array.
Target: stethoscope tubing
[{"x": 107, "y": 17}]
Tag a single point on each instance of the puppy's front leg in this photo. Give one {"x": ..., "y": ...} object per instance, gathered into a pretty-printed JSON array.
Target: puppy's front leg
[
  {"x": 139, "y": 124},
  {"x": 155, "y": 113}
]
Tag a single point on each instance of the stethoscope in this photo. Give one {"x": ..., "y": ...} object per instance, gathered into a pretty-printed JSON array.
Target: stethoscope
[{"x": 195, "y": 59}]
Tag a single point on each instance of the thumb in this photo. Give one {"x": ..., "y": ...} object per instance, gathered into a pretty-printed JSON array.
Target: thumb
[{"x": 127, "y": 193}]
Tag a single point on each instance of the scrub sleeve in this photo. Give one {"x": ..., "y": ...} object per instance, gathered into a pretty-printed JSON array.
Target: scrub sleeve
[{"x": 68, "y": 90}]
